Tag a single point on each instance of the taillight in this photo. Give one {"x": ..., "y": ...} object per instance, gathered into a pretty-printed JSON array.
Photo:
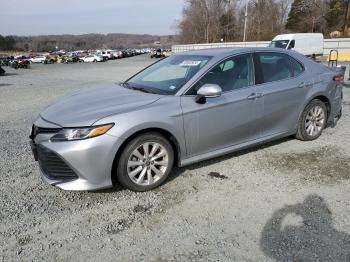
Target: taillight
[{"x": 338, "y": 78}]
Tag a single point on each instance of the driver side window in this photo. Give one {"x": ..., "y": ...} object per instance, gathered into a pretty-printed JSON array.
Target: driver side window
[{"x": 234, "y": 73}]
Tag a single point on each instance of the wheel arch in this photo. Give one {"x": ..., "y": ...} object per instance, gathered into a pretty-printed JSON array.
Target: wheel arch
[
  {"x": 325, "y": 100},
  {"x": 321, "y": 97},
  {"x": 167, "y": 134}
]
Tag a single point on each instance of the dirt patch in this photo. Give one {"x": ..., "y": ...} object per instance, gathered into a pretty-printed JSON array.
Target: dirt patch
[
  {"x": 118, "y": 226},
  {"x": 141, "y": 208},
  {"x": 24, "y": 240},
  {"x": 217, "y": 175},
  {"x": 327, "y": 164}
]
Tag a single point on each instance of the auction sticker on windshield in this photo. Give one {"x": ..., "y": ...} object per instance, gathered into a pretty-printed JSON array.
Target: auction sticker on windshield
[{"x": 190, "y": 63}]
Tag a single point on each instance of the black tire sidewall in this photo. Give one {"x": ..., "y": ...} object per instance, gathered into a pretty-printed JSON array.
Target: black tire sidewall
[
  {"x": 302, "y": 130},
  {"x": 122, "y": 175}
]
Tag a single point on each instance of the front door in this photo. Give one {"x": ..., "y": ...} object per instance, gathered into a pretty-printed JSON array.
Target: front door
[{"x": 226, "y": 120}]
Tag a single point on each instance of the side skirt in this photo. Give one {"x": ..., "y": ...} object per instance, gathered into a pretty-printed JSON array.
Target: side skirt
[{"x": 230, "y": 149}]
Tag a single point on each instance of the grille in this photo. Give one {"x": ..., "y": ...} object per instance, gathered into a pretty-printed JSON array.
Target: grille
[
  {"x": 38, "y": 130},
  {"x": 53, "y": 166}
]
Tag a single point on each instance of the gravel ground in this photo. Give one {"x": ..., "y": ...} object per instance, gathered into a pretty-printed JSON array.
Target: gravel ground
[{"x": 284, "y": 201}]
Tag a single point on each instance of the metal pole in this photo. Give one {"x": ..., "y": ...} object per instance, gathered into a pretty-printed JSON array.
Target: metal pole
[
  {"x": 346, "y": 22},
  {"x": 245, "y": 20}
]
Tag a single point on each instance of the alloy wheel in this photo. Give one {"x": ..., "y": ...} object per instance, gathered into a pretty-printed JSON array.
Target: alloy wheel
[
  {"x": 315, "y": 120},
  {"x": 147, "y": 163}
]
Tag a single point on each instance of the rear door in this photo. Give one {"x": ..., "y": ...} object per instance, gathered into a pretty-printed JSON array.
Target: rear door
[{"x": 284, "y": 84}]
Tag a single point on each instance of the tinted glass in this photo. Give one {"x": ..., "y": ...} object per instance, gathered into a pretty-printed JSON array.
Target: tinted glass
[
  {"x": 234, "y": 73},
  {"x": 168, "y": 75},
  {"x": 279, "y": 44},
  {"x": 274, "y": 67},
  {"x": 296, "y": 67}
]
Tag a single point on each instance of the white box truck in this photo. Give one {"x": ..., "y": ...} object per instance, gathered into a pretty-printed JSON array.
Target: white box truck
[{"x": 308, "y": 44}]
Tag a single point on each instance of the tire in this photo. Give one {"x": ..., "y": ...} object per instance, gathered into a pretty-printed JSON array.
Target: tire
[
  {"x": 95, "y": 61},
  {"x": 314, "y": 117},
  {"x": 138, "y": 175}
]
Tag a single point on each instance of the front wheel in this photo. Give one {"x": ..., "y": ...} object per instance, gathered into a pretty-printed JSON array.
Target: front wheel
[
  {"x": 313, "y": 120},
  {"x": 145, "y": 162}
]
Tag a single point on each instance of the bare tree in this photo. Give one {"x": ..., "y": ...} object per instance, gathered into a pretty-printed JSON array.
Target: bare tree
[{"x": 208, "y": 21}]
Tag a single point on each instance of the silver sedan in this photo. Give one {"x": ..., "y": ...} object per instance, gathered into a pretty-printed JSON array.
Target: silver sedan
[{"x": 183, "y": 109}]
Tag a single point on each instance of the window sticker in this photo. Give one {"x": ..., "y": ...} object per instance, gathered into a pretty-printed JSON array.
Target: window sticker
[{"x": 190, "y": 63}]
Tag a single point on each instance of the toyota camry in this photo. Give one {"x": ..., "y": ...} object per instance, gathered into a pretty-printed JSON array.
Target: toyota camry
[{"x": 183, "y": 109}]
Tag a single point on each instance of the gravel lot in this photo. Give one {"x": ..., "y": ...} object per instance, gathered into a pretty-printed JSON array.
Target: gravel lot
[{"x": 285, "y": 201}]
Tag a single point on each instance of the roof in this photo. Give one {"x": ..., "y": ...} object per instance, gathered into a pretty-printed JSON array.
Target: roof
[{"x": 222, "y": 52}]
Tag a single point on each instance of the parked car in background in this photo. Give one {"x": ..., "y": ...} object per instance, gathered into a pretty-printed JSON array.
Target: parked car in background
[
  {"x": 167, "y": 53},
  {"x": 117, "y": 54},
  {"x": 106, "y": 56},
  {"x": 38, "y": 59},
  {"x": 72, "y": 58},
  {"x": 5, "y": 59},
  {"x": 308, "y": 44},
  {"x": 186, "y": 108},
  {"x": 19, "y": 63},
  {"x": 92, "y": 58},
  {"x": 2, "y": 71},
  {"x": 157, "y": 53},
  {"x": 52, "y": 58}
]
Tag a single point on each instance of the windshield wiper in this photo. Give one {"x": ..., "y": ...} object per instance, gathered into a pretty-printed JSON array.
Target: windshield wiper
[{"x": 142, "y": 89}]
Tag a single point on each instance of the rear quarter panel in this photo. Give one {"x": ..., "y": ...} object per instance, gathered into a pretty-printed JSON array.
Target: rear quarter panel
[{"x": 325, "y": 86}]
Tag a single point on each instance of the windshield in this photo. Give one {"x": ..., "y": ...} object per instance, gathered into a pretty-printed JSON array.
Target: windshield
[
  {"x": 280, "y": 44},
  {"x": 168, "y": 75}
]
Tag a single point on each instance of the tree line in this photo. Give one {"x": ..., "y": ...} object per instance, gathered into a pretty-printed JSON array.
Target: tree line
[
  {"x": 206, "y": 21},
  {"x": 46, "y": 43},
  {"x": 7, "y": 43}
]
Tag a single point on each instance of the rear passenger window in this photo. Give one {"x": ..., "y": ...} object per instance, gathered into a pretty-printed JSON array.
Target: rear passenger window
[
  {"x": 274, "y": 67},
  {"x": 296, "y": 67}
]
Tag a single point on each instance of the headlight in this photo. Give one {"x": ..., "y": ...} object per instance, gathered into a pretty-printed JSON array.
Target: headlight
[{"x": 71, "y": 134}]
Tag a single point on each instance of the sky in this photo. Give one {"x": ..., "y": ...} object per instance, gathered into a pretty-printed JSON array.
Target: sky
[{"x": 37, "y": 17}]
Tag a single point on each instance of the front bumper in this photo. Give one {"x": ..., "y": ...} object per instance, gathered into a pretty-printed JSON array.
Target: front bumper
[{"x": 76, "y": 165}]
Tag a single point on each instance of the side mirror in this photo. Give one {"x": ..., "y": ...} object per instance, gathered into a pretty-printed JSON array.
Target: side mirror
[{"x": 208, "y": 91}]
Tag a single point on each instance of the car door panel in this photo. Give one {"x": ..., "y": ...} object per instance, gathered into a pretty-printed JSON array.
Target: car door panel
[
  {"x": 284, "y": 84},
  {"x": 282, "y": 102},
  {"x": 222, "y": 121}
]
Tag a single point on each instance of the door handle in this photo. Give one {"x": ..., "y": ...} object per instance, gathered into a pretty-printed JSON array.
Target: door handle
[
  {"x": 303, "y": 85},
  {"x": 254, "y": 96}
]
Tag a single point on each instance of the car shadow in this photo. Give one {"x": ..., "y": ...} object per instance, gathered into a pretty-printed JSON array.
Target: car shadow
[
  {"x": 312, "y": 238},
  {"x": 9, "y": 74},
  {"x": 116, "y": 188},
  {"x": 1, "y": 85},
  {"x": 180, "y": 170}
]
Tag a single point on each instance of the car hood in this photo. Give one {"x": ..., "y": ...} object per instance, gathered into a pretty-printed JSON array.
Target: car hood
[{"x": 88, "y": 106}]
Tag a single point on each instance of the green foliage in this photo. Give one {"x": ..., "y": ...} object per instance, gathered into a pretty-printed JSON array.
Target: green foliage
[
  {"x": 336, "y": 14},
  {"x": 298, "y": 14},
  {"x": 322, "y": 16},
  {"x": 7, "y": 43}
]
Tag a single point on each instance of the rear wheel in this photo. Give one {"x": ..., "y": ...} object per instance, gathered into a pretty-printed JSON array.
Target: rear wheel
[
  {"x": 145, "y": 162},
  {"x": 313, "y": 120}
]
